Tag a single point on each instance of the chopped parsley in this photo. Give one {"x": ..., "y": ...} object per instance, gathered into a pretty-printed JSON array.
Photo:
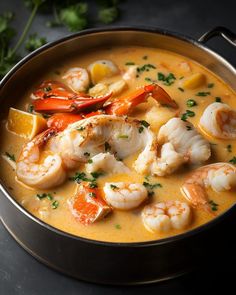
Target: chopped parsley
[
  {"x": 30, "y": 108},
  {"x": 191, "y": 103},
  {"x": 187, "y": 114},
  {"x": 44, "y": 195},
  {"x": 92, "y": 195},
  {"x": 47, "y": 89},
  {"x": 229, "y": 148},
  {"x": 117, "y": 226},
  {"x": 181, "y": 78},
  {"x": 188, "y": 128},
  {"x": 123, "y": 136},
  {"x": 86, "y": 154},
  {"x": 145, "y": 57},
  {"x": 181, "y": 89},
  {"x": 93, "y": 184},
  {"x": 167, "y": 80},
  {"x": 148, "y": 79},
  {"x": 210, "y": 85},
  {"x": 233, "y": 160},
  {"x": 214, "y": 206},
  {"x": 97, "y": 174},
  {"x": 145, "y": 68},
  {"x": 81, "y": 128},
  {"x": 144, "y": 123},
  {"x": 151, "y": 186},
  {"x": 203, "y": 93},
  {"x": 55, "y": 204},
  {"x": 113, "y": 187},
  {"x": 10, "y": 156},
  {"x": 107, "y": 146},
  {"x": 140, "y": 130},
  {"x": 218, "y": 99},
  {"x": 129, "y": 63},
  {"x": 90, "y": 161}
]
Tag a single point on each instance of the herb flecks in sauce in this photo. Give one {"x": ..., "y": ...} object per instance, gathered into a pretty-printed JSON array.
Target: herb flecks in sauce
[
  {"x": 202, "y": 93},
  {"x": 167, "y": 80},
  {"x": 10, "y": 156}
]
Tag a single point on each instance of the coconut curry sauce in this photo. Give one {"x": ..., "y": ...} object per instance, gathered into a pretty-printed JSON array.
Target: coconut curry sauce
[{"x": 193, "y": 88}]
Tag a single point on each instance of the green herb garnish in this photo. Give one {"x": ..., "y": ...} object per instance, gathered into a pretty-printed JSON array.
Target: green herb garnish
[
  {"x": 113, "y": 187},
  {"x": 203, "y": 93},
  {"x": 229, "y": 148},
  {"x": 92, "y": 195},
  {"x": 146, "y": 68},
  {"x": 151, "y": 186},
  {"x": 181, "y": 89},
  {"x": 81, "y": 128},
  {"x": 93, "y": 185},
  {"x": 34, "y": 42},
  {"x": 97, "y": 174},
  {"x": 144, "y": 123},
  {"x": 210, "y": 85},
  {"x": 191, "y": 103},
  {"x": 55, "y": 204},
  {"x": 233, "y": 160},
  {"x": 10, "y": 156},
  {"x": 30, "y": 108},
  {"x": 218, "y": 99},
  {"x": 187, "y": 114},
  {"x": 117, "y": 226},
  {"x": 188, "y": 128},
  {"x": 86, "y": 154},
  {"x": 214, "y": 206},
  {"x": 129, "y": 63},
  {"x": 124, "y": 136},
  {"x": 107, "y": 146},
  {"x": 90, "y": 161},
  {"x": 145, "y": 57},
  {"x": 167, "y": 80},
  {"x": 140, "y": 130}
]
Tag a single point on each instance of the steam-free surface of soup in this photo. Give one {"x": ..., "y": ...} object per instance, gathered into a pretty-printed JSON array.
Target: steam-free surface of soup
[{"x": 127, "y": 226}]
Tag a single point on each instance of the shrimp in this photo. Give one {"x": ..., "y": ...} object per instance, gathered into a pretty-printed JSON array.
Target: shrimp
[
  {"x": 125, "y": 196},
  {"x": 218, "y": 176},
  {"x": 219, "y": 120},
  {"x": 77, "y": 79},
  {"x": 164, "y": 216},
  {"x": 106, "y": 162},
  {"x": 131, "y": 73},
  {"x": 87, "y": 205},
  {"x": 33, "y": 171},
  {"x": 185, "y": 141}
]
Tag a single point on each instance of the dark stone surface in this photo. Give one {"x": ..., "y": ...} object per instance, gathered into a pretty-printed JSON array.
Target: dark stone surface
[{"x": 22, "y": 274}]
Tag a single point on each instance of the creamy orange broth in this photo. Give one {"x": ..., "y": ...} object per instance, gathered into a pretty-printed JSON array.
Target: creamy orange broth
[{"x": 130, "y": 227}]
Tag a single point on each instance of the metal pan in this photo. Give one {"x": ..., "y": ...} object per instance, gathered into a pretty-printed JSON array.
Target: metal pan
[{"x": 105, "y": 262}]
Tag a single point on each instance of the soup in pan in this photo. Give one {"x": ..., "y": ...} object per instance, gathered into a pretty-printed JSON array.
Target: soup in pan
[{"x": 123, "y": 145}]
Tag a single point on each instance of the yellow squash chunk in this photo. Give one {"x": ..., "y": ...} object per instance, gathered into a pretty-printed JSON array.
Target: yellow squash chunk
[
  {"x": 99, "y": 72},
  {"x": 194, "y": 81},
  {"x": 25, "y": 124}
]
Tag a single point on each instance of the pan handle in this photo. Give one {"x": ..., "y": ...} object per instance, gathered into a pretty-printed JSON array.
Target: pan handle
[{"x": 228, "y": 35}]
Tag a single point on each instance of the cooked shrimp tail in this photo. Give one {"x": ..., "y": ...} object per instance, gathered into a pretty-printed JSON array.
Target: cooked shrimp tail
[
  {"x": 219, "y": 177},
  {"x": 33, "y": 171}
]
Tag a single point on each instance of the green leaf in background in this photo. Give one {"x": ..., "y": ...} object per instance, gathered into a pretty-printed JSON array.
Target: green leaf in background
[
  {"x": 34, "y": 42},
  {"x": 108, "y": 15},
  {"x": 74, "y": 17}
]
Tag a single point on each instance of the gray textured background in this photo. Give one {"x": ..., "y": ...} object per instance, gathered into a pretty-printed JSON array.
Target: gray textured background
[{"x": 22, "y": 274}]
